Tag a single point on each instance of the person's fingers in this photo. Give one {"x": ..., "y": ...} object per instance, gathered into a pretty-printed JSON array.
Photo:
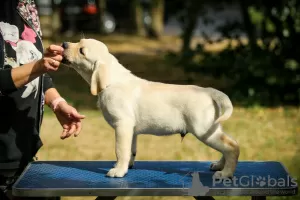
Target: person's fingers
[
  {"x": 52, "y": 64},
  {"x": 55, "y": 64},
  {"x": 49, "y": 67},
  {"x": 72, "y": 130},
  {"x": 64, "y": 133},
  {"x": 76, "y": 115},
  {"x": 78, "y": 126},
  {"x": 57, "y": 58},
  {"x": 52, "y": 54},
  {"x": 55, "y": 48}
]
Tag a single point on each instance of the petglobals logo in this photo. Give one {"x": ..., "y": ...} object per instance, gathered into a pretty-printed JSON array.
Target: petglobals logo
[{"x": 256, "y": 181}]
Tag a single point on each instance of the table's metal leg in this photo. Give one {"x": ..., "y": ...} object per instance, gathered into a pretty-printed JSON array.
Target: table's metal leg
[
  {"x": 105, "y": 198},
  {"x": 204, "y": 198},
  {"x": 258, "y": 198}
]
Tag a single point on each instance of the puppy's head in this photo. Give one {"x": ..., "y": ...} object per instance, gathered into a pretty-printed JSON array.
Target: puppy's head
[{"x": 89, "y": 56}]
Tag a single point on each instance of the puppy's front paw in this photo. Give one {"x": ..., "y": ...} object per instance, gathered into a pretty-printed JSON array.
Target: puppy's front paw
[
  {"x": 116, "y": 172},
  {"x": 131, "y": 163},
  {"x": 130, "y": 166},
  {"x": 222, "y": 175}
]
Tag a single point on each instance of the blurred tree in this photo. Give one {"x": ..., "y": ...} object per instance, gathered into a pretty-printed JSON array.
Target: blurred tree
[
  {"x": 278, "y": 29},
  {"x": 56, "y": 23},
  {"x": 101, "y": 7},
  {"x": 266, "y": 70},
  {"x": 137, "y": 12},
  {"x": 248, "y": 25},
  {"x": 157, "y": 19},
  {"x": 189, "y": 18}
]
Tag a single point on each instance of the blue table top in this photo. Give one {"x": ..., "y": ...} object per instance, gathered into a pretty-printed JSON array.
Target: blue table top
[{"x": 152, "y": 178}]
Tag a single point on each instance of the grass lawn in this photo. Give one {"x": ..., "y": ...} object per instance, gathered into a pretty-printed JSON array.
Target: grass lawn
[{"x": 263, "y": 133}]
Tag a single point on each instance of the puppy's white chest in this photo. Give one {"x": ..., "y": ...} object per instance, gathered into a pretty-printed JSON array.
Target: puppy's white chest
[
  {"x": 104, "y": 106},
  {"x": 115, "y": 106}
]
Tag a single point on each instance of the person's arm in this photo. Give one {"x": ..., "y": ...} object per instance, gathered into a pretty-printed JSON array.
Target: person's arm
[
  {"x": 53, "y": 98},
  {"x": 51, "y": 93},
  {"x": 14, "y": 78},
  {"x": 26, "y": 73},
  {"x": 11, "y": 79},
  {"x": 68, "y": 116}
]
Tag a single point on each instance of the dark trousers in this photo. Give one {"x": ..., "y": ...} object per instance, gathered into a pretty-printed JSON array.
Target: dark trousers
[{"x": 7, "y": 179}]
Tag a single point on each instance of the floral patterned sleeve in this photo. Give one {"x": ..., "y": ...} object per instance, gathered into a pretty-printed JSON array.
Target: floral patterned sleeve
[
  {"x": 6, "y": 83},
  {"x": 21, "y": 43}
]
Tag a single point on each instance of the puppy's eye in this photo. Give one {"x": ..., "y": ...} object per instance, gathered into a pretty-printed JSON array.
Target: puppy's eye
[{"x": 81, "y": 51}]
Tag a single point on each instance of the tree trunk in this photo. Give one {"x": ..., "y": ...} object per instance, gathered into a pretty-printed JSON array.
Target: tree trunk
[
  {"x": 189, "y": 24},
  {"x": 249, "y": 27},
  {"x": 138, "y": 27},
  {"x": 56, "y": 23},
  {"x": 157, "y": 16},
  {"x": 101, "y": 7}
]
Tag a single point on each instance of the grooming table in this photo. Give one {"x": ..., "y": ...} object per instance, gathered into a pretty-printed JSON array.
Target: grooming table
[{"x": 152, "y": 178}]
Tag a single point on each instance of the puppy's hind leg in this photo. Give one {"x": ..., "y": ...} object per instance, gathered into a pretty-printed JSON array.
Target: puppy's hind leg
[
  {"x": 220, "y": 141},
  {"x": 124, "y": 135},
  {"x": 218, "y": 166},
  {"x": 133, "y": 151}
]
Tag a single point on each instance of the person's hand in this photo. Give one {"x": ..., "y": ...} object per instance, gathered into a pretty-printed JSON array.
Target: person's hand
[
  {"x": 51, "y": 60},
  {"x": 69, "y": 119}
]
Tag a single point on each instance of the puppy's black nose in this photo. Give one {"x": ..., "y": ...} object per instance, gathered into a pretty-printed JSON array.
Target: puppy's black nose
[{"x": 65, "y": 45}]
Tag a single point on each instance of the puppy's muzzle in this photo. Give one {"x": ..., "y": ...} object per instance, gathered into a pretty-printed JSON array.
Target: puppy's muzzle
[
  {"x": 65, "y": 45},
  {"x": 65, "y": 60}
]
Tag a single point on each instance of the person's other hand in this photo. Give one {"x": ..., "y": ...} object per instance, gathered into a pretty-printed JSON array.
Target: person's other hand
[
  {"x": 69, "y": 119},
  {"x": 51, "y": 60}
]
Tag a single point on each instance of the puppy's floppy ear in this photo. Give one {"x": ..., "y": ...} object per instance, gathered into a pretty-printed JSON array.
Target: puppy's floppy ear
[{"x": 100, "y": 78}]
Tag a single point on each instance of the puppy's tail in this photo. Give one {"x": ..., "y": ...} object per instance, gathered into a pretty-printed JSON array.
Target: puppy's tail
[{"x": 223, "y": 101}]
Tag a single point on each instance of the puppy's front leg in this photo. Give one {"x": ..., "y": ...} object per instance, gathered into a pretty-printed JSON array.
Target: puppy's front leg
[
  {"x": 124, "y": 134},
  {"x": 133, "y": 151}
]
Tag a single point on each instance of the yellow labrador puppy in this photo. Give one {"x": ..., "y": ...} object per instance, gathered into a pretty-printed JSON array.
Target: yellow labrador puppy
[{"x": 132, "y": 106}]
